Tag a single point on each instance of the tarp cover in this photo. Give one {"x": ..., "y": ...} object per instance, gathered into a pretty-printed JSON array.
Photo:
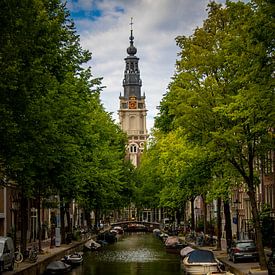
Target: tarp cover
[
  {"x": 186, "y": 250},
  {"x": 171, "y": 240},
  {"x": 57, "y": 265},
  {"x": 201, "y": 256},
  {"x": 92, "y": 244}
]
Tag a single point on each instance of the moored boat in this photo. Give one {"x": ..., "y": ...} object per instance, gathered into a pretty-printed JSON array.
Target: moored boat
[
  {"x": 174, "y": 245},
  {"x": 57, "y": 267},
  {"x": 113, "y": 231},
  {"x": 185, "y": 251},
  {"x": 220, "y": 273},
  {"x": 73, "y": 259},
  {"x": 163, "y": 236},
  {"x": 119, "y": 229},
  {"x": 201, "y": 262},
  {"x": 92, "y": 245},
  {"x": 157, "y": 232},
  {"x": 107, "y": 237}
]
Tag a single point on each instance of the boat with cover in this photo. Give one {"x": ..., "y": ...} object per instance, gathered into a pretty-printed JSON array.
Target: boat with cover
[
  {"x": 185, "y": 251},
  {"x": 156, "y": 232},
  {"x": 220, "y": 273},
  {"x": 73, "y": 259},
  {"x": 57, "y": 267},
  {"x": 92, "y": 245},
  {"x": 106, "y": 237},
  {"x": 119, "y": 229},
  {"x": 173, "y": 244},
  {"x": 201, "y": 262},
  {"x": 163, "y": 236}
]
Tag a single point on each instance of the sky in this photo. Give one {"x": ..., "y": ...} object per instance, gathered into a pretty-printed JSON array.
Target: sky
[{"x": 104, "y": 30}]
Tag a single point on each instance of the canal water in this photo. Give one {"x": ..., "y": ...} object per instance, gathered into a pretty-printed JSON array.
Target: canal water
[{"x": 133, "y": 254}]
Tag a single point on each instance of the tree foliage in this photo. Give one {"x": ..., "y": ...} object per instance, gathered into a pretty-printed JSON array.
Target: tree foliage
[
  {"x": 222, "y": 94},
  {"x": 55, "y": 135}
]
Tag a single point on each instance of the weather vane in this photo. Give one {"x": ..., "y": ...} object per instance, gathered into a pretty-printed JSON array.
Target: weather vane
[{"x": 131, "y": 23}]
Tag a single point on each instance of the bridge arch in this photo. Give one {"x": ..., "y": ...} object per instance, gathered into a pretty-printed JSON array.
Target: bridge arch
[{"x": 137, "y": 225}]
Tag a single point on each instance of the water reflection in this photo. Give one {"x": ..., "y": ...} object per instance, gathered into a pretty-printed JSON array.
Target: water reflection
[{"x": 133, "y": 254}]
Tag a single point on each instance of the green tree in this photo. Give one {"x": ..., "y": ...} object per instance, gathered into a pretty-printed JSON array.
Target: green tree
[
  {"x": 103, "y": 179},
  {"x": 45, "y": 98},
  {"x": 173, "y": 171},
  {"x": 222, "y": 93}
]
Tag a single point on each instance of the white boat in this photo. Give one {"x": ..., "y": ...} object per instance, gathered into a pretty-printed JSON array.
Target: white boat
[
  {"x": 173, "y": 244},
  {"x": 201, "y": 262},
  {"x": 163, "y": 237},
  {"x": 73, "y": 259},
  {"x": 92, "y": 245},
  {"x": 156, "y": 232},
  {"x": 114, "y": 231},
  {"x": 119, "y": 229},
  {"x": 185, "y": 251},
  {"x": 220, "y": 273}
]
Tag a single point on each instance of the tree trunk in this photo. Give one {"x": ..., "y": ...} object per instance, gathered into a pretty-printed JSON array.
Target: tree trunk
[
  {"x": 39, "y": 221},
  {"x": 255, "y": 213},
  {"x": 204, "y": 216},
  {"x": 228, "y": 228},
  {"x": 24, "y": 222},
  {"x": 62, "y": 222},
  {"x": 192, "y": 214},
  {"x": 68, "y": 217},
  {"x": 249, "y": 179},
  {"x": 177, "y": 217},
  {"x": 256, "y": 221},
  {"x": 219, "y": 224},
  {"x": 88, "y": 218},
  {"x": 97, "y": 218}
]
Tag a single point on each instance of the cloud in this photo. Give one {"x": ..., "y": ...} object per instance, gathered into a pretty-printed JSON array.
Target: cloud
[{"x": 103, "y": 26}]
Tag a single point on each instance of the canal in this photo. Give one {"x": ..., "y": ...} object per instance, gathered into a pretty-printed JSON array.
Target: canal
[{"x": 133, "y": 254}]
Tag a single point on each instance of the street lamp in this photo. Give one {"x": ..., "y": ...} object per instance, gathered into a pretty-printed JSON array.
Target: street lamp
[{"x": 236, "y": 204}]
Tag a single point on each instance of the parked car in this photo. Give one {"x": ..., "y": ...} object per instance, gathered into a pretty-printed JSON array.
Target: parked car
[
  {"x": 243, "y": 250},
  {"x": 271, "y": 263},
  {"x": 6, "y": 254}
]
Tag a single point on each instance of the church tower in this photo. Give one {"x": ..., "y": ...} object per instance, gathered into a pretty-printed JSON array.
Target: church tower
[{"x": 132, "y": 111}]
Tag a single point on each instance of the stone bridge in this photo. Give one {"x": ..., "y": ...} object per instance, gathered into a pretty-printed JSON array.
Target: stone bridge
[{"x": 137, "y": 225}]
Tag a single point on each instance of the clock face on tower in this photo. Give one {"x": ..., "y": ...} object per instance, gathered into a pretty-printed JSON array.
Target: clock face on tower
[
  {"x": 132, "y": 105},
  {"x": 132, "y": 102}
]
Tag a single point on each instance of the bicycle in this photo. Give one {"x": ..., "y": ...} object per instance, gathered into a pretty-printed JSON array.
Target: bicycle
[
  {"x": 18, "y": 256},
  {"x": 190, "y": 237},
  {"x": 32, "y": 254}
]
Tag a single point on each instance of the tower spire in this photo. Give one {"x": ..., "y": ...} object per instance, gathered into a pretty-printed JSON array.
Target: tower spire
[
  {"x": 131, "y": 37},
  {"x": 132, "y": 49}
]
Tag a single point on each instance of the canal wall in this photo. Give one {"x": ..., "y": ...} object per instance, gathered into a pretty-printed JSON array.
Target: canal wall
[
  {"x": 39, "y": 267},
  {"x": 50, "y": 255}
]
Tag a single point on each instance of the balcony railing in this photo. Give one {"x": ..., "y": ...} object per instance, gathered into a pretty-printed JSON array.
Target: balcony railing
[{"x": 136, "y": 132}]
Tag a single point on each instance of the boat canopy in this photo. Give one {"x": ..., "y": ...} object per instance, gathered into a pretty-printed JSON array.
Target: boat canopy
[
  {"x": 186, "y": 250},
  {"x": 201, "y": 256}
]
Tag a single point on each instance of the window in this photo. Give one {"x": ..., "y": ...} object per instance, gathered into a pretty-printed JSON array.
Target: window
[
  {"x": 133, "y": 148},
  {"x": 268, "y": 163}
]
